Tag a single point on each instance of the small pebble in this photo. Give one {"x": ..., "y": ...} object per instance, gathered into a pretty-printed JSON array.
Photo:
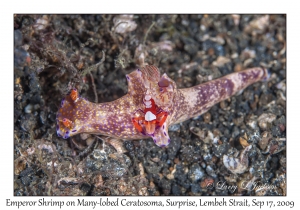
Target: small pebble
[
  {"x": 244, "y": 140},
  {"x": 265, "y": 119},
  {"x": 238, "y": 67},
  {"x": 207, "y": 117},
  {"x": 195, "y": 173},
  {"x": 28, "y": 109}
]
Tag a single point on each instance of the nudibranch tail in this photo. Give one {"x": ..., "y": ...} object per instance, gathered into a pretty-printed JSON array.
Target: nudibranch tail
[{"x": 194, "y": 101}]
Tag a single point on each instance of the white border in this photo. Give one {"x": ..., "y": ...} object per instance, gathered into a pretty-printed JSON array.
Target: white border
[{"x": 154, "y": 6}]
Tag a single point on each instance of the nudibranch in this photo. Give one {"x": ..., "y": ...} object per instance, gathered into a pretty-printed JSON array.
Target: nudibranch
[{"x": 152, "y": 104}]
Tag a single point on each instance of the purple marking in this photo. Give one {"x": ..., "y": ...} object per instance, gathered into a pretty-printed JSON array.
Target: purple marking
[
  {"x": 67, "y": 132},
  {"x": 139, "y": 70},
  {"x": 165, "y": 134},
  {"x": 66, "y": 136},
  {"x": 74, "y": 131},
  {"x": 163, "y": 126},
  {"x": 58, "y": 135},
  {"x": 62, "y": 102},
  {"x": 169, "y": 140},
  {"x": 154, "y": 141},
  {"x": 127, "y": 77},
  {"x": 57, "y": 127},
  {"x": 163, "y": 145}
]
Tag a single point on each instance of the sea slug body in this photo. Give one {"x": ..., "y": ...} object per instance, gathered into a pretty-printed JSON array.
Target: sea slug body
[{"x": 152, "y": 104}]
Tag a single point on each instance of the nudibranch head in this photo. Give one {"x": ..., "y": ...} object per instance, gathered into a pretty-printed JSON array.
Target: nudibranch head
[{"x": 69, "y": 115}]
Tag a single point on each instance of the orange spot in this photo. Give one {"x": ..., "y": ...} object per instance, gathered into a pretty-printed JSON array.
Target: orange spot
[
  {"x": 74, "y": 94},
  {"x": 68, "y": 123}
]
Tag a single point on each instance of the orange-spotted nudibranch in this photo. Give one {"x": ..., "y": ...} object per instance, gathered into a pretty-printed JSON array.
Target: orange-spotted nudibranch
[{"x": 152, "y": 104}]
